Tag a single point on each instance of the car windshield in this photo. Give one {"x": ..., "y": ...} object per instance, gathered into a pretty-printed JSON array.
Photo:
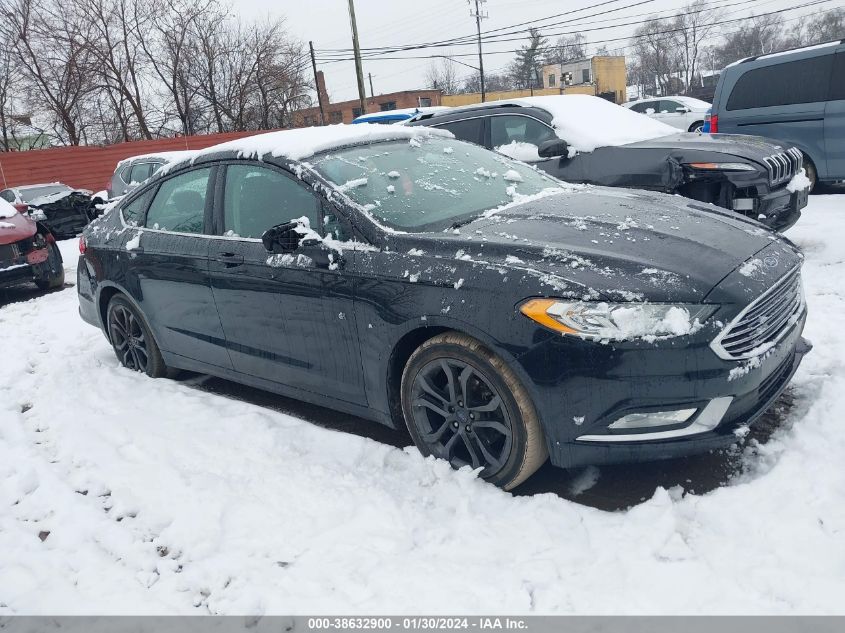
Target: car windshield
[
  {"x": 31, "y": 193},
  {"x": 428, "y": 184}
]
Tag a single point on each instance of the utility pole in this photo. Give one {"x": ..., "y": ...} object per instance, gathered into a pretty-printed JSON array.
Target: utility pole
[
  {"x": 362, "y": 95},
  {"x": 372, "y": 94},
  {"x": 478, "y": 15},
  {"x": 317, "y": 85}
]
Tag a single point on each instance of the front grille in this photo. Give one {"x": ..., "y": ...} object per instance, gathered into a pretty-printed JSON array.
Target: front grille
[
  {"x": 8, "y": 254},
  {"x": 764, "y": 321},
  {"x": 783, "y": 165}
]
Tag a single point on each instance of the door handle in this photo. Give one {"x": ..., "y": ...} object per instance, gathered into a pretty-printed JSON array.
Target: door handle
[{"x": 230, "y": 259}]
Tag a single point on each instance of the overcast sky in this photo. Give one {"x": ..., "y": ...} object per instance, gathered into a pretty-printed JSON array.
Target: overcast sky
[{"x": 402, "y": 22}]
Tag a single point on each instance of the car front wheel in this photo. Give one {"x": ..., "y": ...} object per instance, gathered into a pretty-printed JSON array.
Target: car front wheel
[
  {"x": 131, "y": 340},
  {"x": 52, "y": 273},
  {"x": 462, "y": 403}
]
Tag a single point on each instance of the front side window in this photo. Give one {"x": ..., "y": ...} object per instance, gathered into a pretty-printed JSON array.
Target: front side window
[
  {"x": 668, "y": 107},
  {"x": 257, "y": 198},
  {"x": 801, "y": 81},
  {"x": 509, "y": 128},
  {"x": 179, "y": 204},
  {"x": 133, "y": 213},
  {"x": 428, "y": 184}
]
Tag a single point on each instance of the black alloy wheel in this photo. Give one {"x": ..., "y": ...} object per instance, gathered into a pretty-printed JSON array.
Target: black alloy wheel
[
  {"x": 131, "y": 339},
  {"x": 463, "y": 404}
]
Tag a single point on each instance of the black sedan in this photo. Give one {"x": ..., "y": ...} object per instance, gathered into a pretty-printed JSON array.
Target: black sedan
[
  {"x": 584, "y": 139},
  {"x": 401, "y": 275}
]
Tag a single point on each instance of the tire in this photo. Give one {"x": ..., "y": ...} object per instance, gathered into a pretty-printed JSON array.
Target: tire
[
  {"x": 698, "y": 126},
  {"x": 812, "y": 174},
  {"x": 133, "y": 344},
  {"x": 508, "y": 444},
  {"x": 54, "y": 276}
]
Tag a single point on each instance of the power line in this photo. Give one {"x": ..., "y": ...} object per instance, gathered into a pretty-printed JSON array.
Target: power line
[{"x": 374, "y": 56}]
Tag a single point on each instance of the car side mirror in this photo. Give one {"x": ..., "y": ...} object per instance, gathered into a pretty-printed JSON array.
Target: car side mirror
[
  {"x": 553, "y": 147},
  {"x": 282, "y": 238},
  {"x": 681, "y": 110}
]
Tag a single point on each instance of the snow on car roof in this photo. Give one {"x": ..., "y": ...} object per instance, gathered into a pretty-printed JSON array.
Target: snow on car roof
[
  {"x": 166, "y": 156},
  {"x": 304, "y": 142},
  {"x": 586, "y": 122},
  {"x": 44, "y": 184}
]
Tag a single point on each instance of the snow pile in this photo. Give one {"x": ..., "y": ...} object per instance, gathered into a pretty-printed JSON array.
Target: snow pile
[
  {"x": 799, "y": 182},
  {"x": 134, "y": 243},
  {"x": 7, "y": 210},
  {"x": 526, "y": 152},
  {"x": 512, "y": 175},
  {"x": 586, "y": 122},
  {"x": 7, "y": 225},
  {"x": 122, "y": 494}
]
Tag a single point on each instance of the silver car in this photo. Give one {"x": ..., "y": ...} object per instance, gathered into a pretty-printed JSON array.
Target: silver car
[
  {"x": 684, "y": 113},
  {"x": 131, "y": 172}
]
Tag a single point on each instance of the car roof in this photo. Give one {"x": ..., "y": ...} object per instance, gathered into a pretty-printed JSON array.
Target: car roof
[
  {"x": 165, "y": 156},
  {"x": 301, "y": 143},
  {"x": 786, "y": 52}
]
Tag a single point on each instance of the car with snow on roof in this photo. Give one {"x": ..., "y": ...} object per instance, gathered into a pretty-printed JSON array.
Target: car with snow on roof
[
  {"x": 584, "y": 139},
  {"x": 407, "y": 277},
  {"x": 132, "y": 171},
  {"x": 28, "y": 251}
]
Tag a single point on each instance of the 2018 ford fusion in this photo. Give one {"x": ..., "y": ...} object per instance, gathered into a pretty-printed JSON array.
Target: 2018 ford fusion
[{"x": 404, "y": 276}]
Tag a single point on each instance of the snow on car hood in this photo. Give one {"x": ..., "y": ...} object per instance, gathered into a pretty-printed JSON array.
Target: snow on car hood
[
  {"x": 586, "y": 122},
  {"x": 629, "y": 245}
]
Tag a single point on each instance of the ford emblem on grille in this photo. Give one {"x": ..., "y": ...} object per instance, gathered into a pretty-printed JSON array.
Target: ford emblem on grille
[{"x": 771, "y": 261}]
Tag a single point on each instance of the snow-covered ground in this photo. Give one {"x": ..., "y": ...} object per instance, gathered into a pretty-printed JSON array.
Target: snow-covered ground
[{"x": 121, "y": 494}]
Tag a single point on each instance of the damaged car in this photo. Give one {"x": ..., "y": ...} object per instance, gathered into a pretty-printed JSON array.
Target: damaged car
[
  {"x": 584, "y": 139},
  {"x": 28, "y": 251},
  {"x": 401, "y": 275},
  {"x": 65, "y": 211}
]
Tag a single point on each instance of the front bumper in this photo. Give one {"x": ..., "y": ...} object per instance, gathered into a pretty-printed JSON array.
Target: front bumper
[
  {"x": 780, "y": 209},
  {"x": 18, "y": 267},
  {"x": 592, "y": 386}
]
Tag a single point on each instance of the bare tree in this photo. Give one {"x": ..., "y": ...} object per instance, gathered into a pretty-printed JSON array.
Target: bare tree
[
  {"x": 442, "y": 74},
  {"x": 654, "y": 54},
  {"x": 824, "y": 27},
  {"x": 566, "y": 48},
  {"x": 9, "y": 79},
  {"x": 757, "y": 35},
  {"x": 694, "y": 26},
  {"x": 52, "y": 45}
]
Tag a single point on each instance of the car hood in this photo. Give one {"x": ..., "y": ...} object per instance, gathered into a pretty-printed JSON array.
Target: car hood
[
  {"x": 752, "y": 148},
  {"x": 614, "y": 244},
  {"x": 15, "y": 229}
]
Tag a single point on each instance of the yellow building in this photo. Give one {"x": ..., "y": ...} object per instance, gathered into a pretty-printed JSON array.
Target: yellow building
[{"x": 602, "y": 76}]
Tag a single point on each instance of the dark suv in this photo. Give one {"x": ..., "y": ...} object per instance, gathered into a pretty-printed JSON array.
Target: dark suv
[{"x": 584, "y": 139}]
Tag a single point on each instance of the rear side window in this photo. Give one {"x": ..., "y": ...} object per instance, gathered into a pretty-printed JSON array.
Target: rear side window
[
  {"x": 8, "y": 195},
  {"x": 179, "y": 204},
  {"x": 642, "y": 107},
  {"x": 837, "y": 80},
  {"x": 140, "y": 172},
  {"x": 801, "y": 81},
  {"x": 133, "y": 213},
  {"x": 258, "y": 198},
  {"x": 466, "y": 130}
]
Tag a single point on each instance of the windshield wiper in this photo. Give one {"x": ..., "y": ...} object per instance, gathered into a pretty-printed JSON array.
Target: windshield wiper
[{"x": 459, "y": 223}]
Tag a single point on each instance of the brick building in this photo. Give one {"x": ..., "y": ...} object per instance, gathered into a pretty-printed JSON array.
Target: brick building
[{"x": 345, "y": 111}]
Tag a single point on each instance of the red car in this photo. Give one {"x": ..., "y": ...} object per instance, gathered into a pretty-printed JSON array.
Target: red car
[{"x": 28, "y": 251}]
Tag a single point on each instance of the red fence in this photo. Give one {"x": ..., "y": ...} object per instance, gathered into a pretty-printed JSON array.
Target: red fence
[{"x": 91, "y": 167}]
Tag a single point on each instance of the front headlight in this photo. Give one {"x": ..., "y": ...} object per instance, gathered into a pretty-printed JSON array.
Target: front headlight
[
  {"x": 616, "y": 321},
  {"x": 722, "y": 166}
]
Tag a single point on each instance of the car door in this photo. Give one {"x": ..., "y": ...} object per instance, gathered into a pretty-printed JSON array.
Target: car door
[
  {"x": 667, "y": 112},
  {"x": 289, "y": 317},
  {"x": 167, "y": 266},
  {"x": 834, "y": 120}
]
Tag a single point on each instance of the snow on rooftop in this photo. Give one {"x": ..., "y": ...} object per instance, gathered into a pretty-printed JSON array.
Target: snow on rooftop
[
  {"x": 587, "y": 122},
  {"x": 166, "y": 156},
  {"x": 302, "y": 143}
]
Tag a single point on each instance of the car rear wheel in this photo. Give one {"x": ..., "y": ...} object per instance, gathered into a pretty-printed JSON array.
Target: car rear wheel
[
  {"x": 130, "y": 337},
  {"x": 52, "y": 272},
  {"x": 698, "y": 126},
  {"x": 462, "y": 403}
]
